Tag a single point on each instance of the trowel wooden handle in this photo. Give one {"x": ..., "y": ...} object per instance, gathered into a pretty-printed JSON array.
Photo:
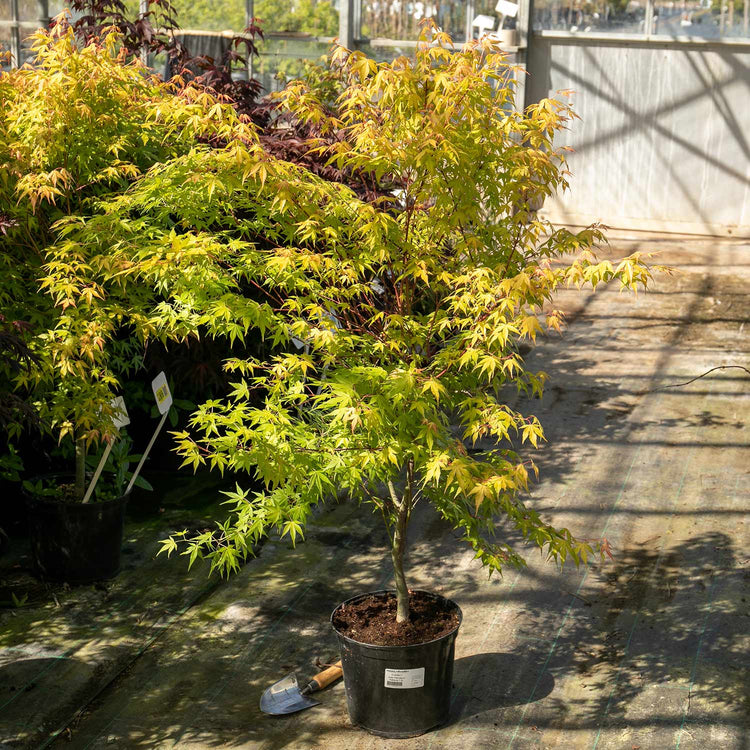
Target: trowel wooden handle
[{"x": 326, "y": 677}]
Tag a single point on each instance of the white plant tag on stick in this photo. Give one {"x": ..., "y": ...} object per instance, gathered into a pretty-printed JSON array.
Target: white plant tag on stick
[
  {"x": 120, "y": 419},
  {"x": 163, "y": 398},
  {"x": 505, "y": 8}
]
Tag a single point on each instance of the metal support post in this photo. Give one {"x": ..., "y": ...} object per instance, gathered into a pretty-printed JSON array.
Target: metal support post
[
  {"x": 470, "y": 13},
  {"x": 648, "y": 21},
  {"x": 142, "y": 10},
  {"x": 42, "y": 13},
  {"x": 347, "y": 31},
  {"x": 357, "y": 21},
  {"x": 525, "y": 26},
  {"x": 15, "y": 35},
  {"x": 249, "y": 14},
  {"x": 524, "y": 21}
]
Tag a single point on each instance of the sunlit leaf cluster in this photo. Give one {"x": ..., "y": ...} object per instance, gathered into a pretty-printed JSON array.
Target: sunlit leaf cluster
[{"x": 82, "y": 125}]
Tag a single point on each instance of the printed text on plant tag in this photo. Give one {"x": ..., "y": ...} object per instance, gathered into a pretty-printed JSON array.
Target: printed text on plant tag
[{"x": 404, "y": 678}]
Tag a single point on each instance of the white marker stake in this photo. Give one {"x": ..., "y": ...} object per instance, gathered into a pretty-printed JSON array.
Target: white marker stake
[
  {"x": 98, "y": 472},
  {"x": 146, "y": 452},
  {"x": 163, "y": 401},
  {"x": 120, "y": 420}
]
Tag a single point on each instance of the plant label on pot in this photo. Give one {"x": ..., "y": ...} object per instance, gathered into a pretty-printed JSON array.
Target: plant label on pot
[
  {"x": 504, "y": 8},
  {"x": 120, "y": 419},
  {"x": 403, "y": 679},
  {"x": 163, "y": 397}
]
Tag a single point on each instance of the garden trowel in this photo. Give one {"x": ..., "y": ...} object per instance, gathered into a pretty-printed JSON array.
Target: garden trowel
[{"x": 286, "y": 696}]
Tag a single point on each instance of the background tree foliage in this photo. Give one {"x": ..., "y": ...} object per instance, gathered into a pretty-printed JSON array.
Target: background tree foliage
[
  {"x": 84, "y": 123},
  {"x": 317, "y": 17}
]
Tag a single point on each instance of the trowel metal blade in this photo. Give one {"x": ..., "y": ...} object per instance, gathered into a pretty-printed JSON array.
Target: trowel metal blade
[{"x": 284, "y": 697}]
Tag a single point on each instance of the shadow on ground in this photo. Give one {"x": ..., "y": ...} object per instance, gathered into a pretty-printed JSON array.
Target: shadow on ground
[{"x": 648, "y": 650}]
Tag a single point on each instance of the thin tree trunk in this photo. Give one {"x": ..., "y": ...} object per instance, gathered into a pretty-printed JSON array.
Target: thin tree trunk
[
  {"x": 80, "y": 485},
  {"x": 403, "y": 506},
  {"x": 397, "y": 555}
]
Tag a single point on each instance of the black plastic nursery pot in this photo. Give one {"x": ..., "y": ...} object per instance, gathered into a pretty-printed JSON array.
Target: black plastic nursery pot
[
  {"x": 398, "y": 691},
  {"x": 76, "y": 542}
]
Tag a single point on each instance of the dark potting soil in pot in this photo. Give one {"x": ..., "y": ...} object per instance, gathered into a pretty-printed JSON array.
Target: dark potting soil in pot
[
  {"x": 372, "y": 620},
  {"x": 66, "y": 493}
]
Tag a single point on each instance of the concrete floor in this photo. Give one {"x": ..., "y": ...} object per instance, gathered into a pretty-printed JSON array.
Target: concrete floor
[{"x": 648, "y": 651}]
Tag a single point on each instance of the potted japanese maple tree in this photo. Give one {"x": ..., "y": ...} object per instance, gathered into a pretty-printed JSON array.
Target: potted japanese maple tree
[{"x": 400, "y": 321}]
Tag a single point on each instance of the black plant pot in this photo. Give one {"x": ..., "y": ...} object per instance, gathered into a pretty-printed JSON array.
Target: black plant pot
[
  {"x": 76, "y": 542},
  {"x": 398, "y": 691}
]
